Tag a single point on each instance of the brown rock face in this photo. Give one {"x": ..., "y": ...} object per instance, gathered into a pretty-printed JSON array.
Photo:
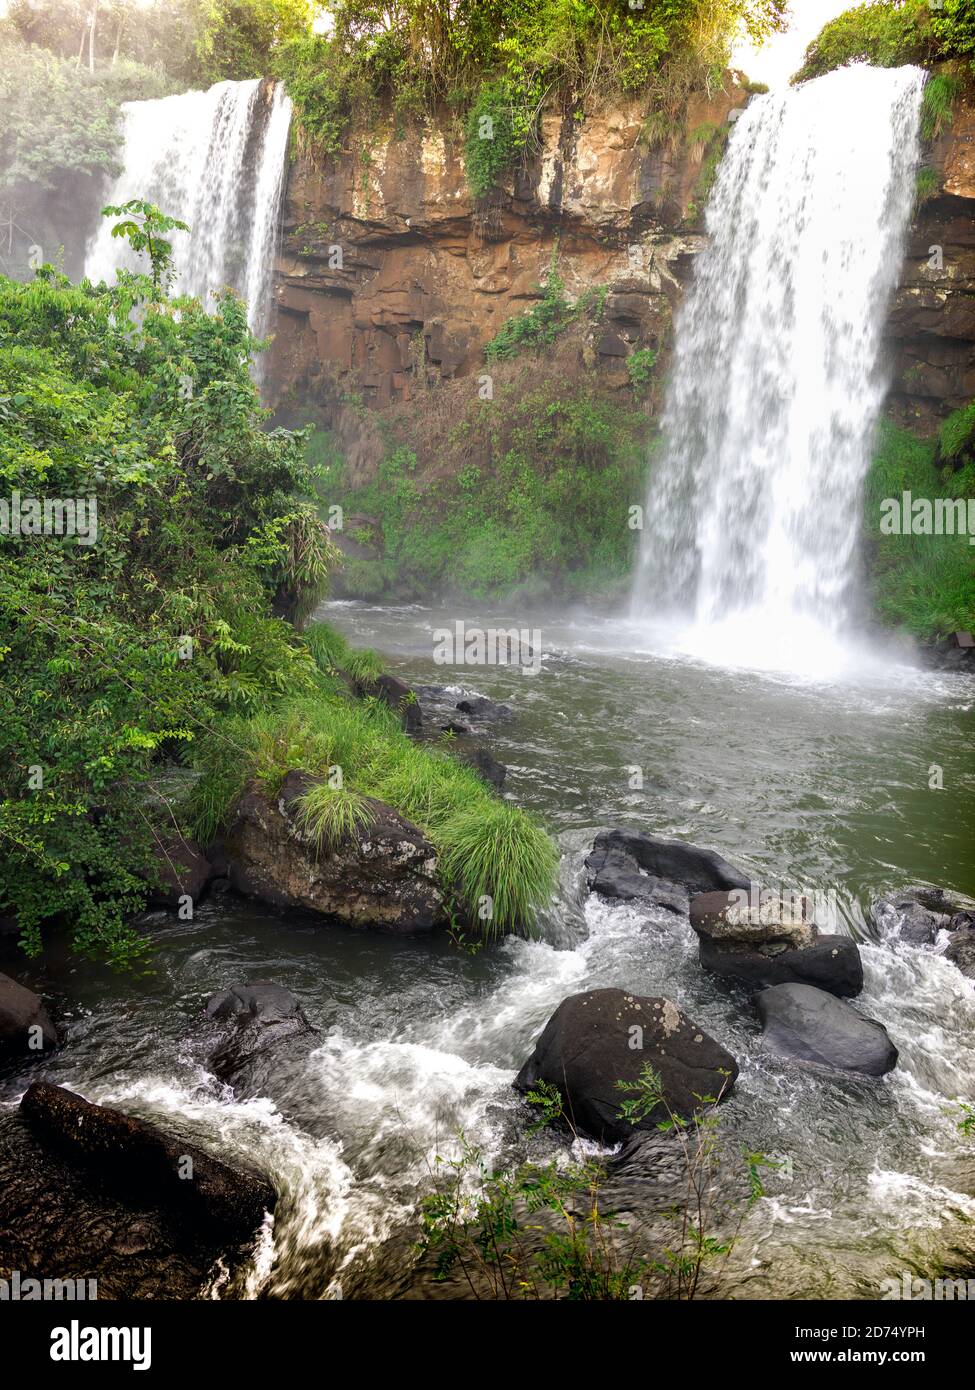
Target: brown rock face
[
  {"x": 391, "y": 272},
  {"x": 386, "y": 877},
  {"x": 931, "y": 328}
]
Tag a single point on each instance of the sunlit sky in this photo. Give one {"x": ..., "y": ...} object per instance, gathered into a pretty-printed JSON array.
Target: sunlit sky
[
  {"x": 781, "y": 55},
  {"x": 774, "y": 62}
]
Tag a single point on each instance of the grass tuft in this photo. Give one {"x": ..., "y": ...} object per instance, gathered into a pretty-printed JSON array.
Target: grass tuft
[{"x": 330, "y": 815}]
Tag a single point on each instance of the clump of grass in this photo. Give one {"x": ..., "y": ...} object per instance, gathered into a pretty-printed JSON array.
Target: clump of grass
[
  {"x": 937, "y": 104},
  {"x": 927, "y": 183},
  {"x": 333, "y": 654},
  {"x": 503, "y": 863},
  {"x": 330, "y": 814}
]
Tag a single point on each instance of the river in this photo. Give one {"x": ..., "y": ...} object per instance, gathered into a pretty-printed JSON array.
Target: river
[{"x": 803, "y": 782}]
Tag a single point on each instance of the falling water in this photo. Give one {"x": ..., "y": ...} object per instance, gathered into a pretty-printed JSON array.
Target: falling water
[
  {"x": 215, "y": 160},
  {"x": 752, "y": 516}
]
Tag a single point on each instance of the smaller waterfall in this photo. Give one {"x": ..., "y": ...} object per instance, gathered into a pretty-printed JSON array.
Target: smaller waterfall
[{"x": 215, "y": 160}]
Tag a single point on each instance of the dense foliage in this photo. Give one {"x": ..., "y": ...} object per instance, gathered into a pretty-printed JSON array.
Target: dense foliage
[
  {"x": 499, "y": 61},
  {"x": 889, "y": 33},
  {"x": 118, "y": 651}
]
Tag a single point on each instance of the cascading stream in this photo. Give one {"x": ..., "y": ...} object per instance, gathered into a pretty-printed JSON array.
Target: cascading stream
[
  {"x": 753, "y": 512},
  {"x": 216, "y": 160}
]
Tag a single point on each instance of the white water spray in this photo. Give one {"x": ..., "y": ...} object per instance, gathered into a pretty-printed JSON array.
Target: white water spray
[
  {"x": 215, "y": 160},
  {"x": 753, "y": 511}
]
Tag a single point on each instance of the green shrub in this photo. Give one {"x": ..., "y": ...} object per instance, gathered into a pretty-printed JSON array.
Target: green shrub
[{"x": 497, "y": 132}]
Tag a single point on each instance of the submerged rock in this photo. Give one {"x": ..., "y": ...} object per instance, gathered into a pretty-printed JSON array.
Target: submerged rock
[
  {"x": 771, "y": 943},
  {"x": 480, "y": 707},
  {"x": 961, "y": 950},
  {"x": 631, "y": 866},
  {"x": 135, "y": 1160},
  {"x": 810, "y": 1025},
  {"x": 25, "y": 1025},
  {"x": 384, "y": 876},
  {"x": 695, "y": 870},
  {"x": 601, "y": 1037},
  {"x": 915, "y": 915},
  {"x": 254, "y": 1019}
]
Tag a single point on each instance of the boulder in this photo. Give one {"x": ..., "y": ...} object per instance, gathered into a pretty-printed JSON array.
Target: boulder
[
  {"x": 810, "y": 1025},
  {"x": 391, "y": 691},
  {"x": 961, "y": 950},
  {"x": 182, "y": 870},
  {"x": 485, "y": 765},
  {"x": 587, "y": 1047},
  {"x": 253, "y": 1019},
  {"x": 134, "y": 1159},
  {"x": 773, "y": 941},
  {"x": 25, "y": 1025},
  {"x": 62, "y": 1220},
  {"x": 915, "y": 915},
  {"x": 480, "y": 707},
  {"x": 631, "y": 865},
  {"x": 384, "y": 876},
  {"x": 613, "y": 874}
]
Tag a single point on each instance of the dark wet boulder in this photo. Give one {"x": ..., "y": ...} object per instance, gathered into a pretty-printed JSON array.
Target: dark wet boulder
[
  {"x": 961, "y": 950},
  {"x": 383, "y": 876},
  {"x": 772, "y": 940},
  {"x": 612, "y": 874},
  {"x": 252, "y": 1020},
  {"x": 632, "y": 866},
  {"x": 25, "y": 1025},
  {"x": 480, "y": 707},
  {"x": 182, "y": 871},
  {"x": 140, "y": 1162},
  {"x": 914, "y": 915},
  {"x": 604, "y": 1036},
  {"x": 395, "y": 693},
  {"x": 485, "y": 765},
  {"x": 811, "y": 1025}
]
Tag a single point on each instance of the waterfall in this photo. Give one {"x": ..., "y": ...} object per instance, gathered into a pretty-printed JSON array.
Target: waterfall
[
  {"x": 753, "y": 510},
  {"x": 215, "y": 160}
]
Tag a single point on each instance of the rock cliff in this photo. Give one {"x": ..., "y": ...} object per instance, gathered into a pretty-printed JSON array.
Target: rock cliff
[{"x": 390, "y": 274}]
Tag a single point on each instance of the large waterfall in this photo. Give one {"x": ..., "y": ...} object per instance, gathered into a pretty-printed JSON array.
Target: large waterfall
[
  {"x": 753, "y": 510},
  {"x": 215, "y": 160}
]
